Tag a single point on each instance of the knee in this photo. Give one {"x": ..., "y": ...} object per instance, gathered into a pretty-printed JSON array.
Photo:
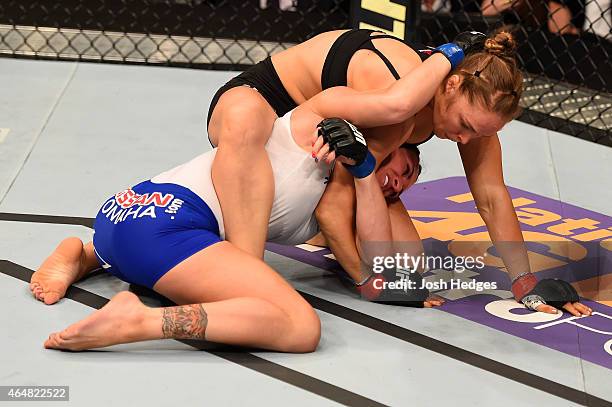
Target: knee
[
  {"x": 305, "y": 334},
  {"x": 242, "y": 127}
]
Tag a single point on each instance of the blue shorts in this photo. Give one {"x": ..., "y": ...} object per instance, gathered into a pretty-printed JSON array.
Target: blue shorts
[{"x": 143, "y": 232}]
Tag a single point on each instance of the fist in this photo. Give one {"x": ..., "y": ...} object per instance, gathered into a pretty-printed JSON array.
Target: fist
[
  {"x": 344, "y": 139},
  {"x": 470, "y": 41}
]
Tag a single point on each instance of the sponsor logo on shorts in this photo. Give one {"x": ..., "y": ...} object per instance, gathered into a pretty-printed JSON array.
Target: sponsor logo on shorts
[
  {"x": 128, "y": 198},
  {"x": 128, "y": 204}
]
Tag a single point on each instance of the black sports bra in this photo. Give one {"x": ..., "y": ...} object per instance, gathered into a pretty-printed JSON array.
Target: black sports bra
[{"x": 335, "y": 67}]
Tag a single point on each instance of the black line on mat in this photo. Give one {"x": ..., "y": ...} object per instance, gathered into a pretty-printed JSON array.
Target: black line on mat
[
  {"x": 62, "y": 220},
  {"x": 240, "y": 357},
  {"x": 454, "y": 352},
  {"x": 404, "y": 334}
]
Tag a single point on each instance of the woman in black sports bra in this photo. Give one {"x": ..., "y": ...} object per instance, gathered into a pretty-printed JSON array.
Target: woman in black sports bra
[
  {"x": 411, "y": 95},
  {"x": 264, "y": 78},
  {"x": 243, "y": 111}
]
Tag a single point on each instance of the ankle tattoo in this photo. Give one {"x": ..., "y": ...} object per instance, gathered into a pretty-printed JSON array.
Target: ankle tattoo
[{"x": 184, "y": 322}]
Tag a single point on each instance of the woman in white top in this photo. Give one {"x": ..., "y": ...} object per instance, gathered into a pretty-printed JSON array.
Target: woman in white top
[{"x": 167, "y": 234}]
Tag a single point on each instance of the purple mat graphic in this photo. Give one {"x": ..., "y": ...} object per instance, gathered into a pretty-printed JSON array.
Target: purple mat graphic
[{"x": 444, "y": 212}]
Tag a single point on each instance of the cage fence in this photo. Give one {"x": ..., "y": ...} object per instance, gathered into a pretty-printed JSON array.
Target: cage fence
[{"x": 564, "y": 45}]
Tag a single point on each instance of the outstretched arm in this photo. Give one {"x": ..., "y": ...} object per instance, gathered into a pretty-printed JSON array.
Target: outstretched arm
[{"x": 482, "y": 161}]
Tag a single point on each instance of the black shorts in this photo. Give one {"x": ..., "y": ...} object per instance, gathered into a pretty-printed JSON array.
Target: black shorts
[{"x": 263, "y": 78}]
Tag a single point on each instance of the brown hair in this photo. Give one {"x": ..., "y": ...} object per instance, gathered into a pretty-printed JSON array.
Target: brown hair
[
  {"x": 415, "y": 148},
  {"x": 492, "y": 77}
]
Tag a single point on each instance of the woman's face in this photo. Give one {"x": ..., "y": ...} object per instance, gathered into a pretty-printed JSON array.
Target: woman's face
[
  {"x": 456, "y": 119},
  {"x": 397, "y": 172}
]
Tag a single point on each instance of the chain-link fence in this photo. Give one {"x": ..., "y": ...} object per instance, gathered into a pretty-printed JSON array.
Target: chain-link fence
[
  {"x": 215, "y": 34},
  {"x": 565, "y": 45}
]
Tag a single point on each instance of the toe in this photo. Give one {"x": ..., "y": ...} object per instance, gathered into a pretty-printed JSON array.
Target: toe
[
  {"x": 51, "y": 342},
  {"x": 50, "y": 298},
  {"x": 38, "y": 295}
]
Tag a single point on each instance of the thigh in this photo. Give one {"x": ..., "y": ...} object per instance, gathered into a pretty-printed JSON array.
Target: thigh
[
  {"x": 222, "y": 272},
  {"x": 241, "y": 112}
]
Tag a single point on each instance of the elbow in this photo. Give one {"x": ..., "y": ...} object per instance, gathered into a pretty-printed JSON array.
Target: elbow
[
  {"x": 485, "y": 209},
  {"x": 326, "y": 217},
  {"x": 486, "y": 206},
  {"x": 323, "y": 214}
]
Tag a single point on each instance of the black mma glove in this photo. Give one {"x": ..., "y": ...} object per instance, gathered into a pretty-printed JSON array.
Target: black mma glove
[
  {"x": 553, "y": 292},
  {"x": 470, "y": 41},
  {"x": 407, "y": 291},
  {"x": 348, "y": 142}
]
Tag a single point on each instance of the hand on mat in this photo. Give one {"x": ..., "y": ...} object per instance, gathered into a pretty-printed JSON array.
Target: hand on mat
[
  {"x": 552, "y": 294},
  {"x": 577, "y": 309},
  {"x": 433, "y": 301}
]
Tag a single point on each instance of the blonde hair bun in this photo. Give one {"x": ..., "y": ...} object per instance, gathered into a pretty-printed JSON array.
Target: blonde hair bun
[{"x": 501, "y": 44}]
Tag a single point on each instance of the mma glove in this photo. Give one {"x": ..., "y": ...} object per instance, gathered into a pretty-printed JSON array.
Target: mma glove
[
  {"x": 464, "y": 44},
  {"x": 346, "y": 141},
  {"x": 533, "y": 293},
  {"x": 407, "y": 294},
  {"x": 372, "y": 288}
]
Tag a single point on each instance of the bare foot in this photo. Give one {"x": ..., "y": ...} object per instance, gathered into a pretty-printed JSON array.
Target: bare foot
[
  {"x": 122, "y": 320},
  {"x": 62, "y": 268}
]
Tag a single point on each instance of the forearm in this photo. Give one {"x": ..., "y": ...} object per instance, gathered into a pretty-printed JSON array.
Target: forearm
[
  {"x": 336, "y": 217},
  {"x": 373, "y": 227},
  {"x": 505, "y": 232},
  {"x": 342, "y": 245},
  {"x": 415, "y": 90},
  {"x": 482, "y": 160},
  {"x": 406, "y": 238}
]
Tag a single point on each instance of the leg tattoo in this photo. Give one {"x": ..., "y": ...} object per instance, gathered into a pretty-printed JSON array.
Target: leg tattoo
[{"x": 184, "y": 322}]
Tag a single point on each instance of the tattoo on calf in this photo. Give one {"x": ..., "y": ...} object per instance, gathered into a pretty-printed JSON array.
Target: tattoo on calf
[{"x": 184, "y": 322}]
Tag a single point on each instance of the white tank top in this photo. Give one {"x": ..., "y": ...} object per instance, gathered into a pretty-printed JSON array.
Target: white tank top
[{"x": 299, "y": 183}]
